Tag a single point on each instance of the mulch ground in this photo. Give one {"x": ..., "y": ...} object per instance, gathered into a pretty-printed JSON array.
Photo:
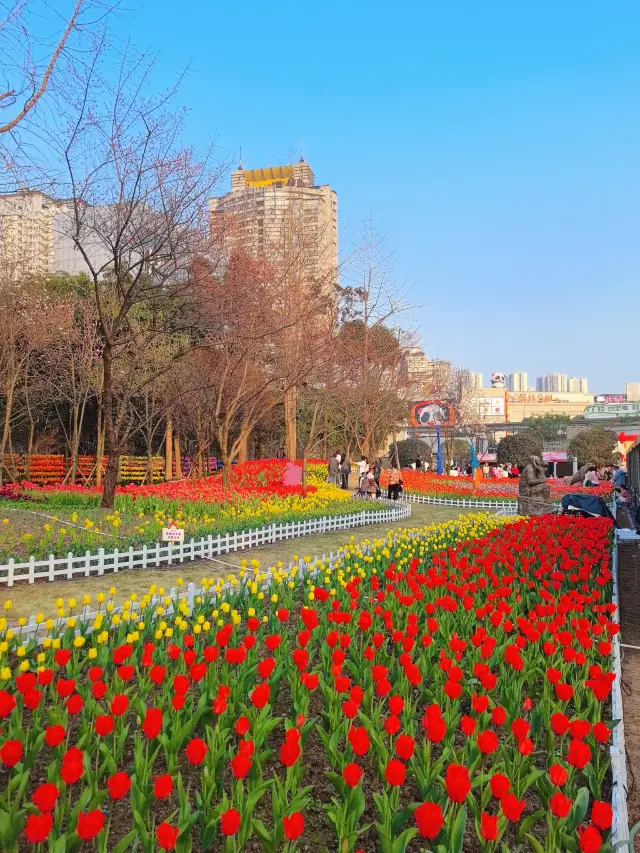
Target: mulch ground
[{"x": 629, "y": 586}]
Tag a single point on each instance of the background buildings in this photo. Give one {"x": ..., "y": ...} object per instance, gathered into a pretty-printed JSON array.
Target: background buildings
[{"x": 270, "y": 210}]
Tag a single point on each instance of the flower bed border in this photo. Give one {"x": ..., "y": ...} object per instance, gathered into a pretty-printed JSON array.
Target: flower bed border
[
  {"x": 152, "y": 556},
  {"x": 619, "y": 786},
  {"x": 508, "y": 506}
]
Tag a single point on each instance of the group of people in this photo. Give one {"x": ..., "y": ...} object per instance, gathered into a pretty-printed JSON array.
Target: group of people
[
  {"x": 500, "y": 472},
  {"x": 339, "y": 468}
]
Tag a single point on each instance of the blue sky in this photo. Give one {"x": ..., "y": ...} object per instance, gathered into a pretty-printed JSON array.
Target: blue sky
[{"x": 498, "y": 142}]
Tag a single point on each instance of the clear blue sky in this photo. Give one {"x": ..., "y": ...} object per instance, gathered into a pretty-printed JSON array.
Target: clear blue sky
[{"x": 499, "y": 142}]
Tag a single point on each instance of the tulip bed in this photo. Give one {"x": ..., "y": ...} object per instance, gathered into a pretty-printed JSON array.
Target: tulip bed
[
  {"x": 427, "y": 483},
  {"x": 256, "y": 497},
  {"x": 445, "y": 691}
]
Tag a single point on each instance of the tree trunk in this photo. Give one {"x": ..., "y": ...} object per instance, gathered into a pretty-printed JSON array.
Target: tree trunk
[
  {"x": 176, "y": 455},
  {"x": 6, "y": 427},
  {"x": 111, "y": 440},
  {"x": 226, "y": 472},
  {"x": 99, "y": 444},
  {"x": 32, "y": 429},
  {"x": 168, "y": 451},
  {"x": 290, "y": 423},
  {"x": 243, "y": 450},
  {"x": 75, "y": 442}
]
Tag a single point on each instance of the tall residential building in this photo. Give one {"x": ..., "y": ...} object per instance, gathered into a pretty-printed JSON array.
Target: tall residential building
[
  {"x": 578, "y": 385},
  {"x": 26, "y": 232},
  {"x": 517, "y": 381},
  {"x": 552, "y": 382},
  {"x": 269, "y": 207},
  {"x": 476, "y": 380}
]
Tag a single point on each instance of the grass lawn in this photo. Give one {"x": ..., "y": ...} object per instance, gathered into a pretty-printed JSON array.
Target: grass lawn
[{"x": 40, "y": 597}]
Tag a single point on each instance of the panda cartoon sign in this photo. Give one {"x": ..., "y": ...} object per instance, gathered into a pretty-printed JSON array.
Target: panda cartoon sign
[
  {"x": 497, "y": 380},
  {"x": 432, "y": 413}
]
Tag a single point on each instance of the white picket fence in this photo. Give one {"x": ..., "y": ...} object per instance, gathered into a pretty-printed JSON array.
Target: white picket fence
[
  {"x": 509, "y": 507},
  {"x": 168, "y": 554}
]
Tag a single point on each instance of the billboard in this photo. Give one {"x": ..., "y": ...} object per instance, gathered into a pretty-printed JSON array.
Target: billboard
[
  {"x": 610, "y": 398},
  {"x": 491, "y": 407},
  {"x": 433, "y": 412}
]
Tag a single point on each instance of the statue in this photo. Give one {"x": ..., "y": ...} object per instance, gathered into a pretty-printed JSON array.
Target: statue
[
  {"x": 534, "y": 493},
  {"x": 577, "y": 479}
]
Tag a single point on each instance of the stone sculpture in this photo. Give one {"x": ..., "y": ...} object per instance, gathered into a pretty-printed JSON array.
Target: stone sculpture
[{"x": 534, "y": 492}]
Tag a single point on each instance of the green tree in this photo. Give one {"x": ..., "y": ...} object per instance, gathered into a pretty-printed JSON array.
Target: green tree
[
  {"x": 461, "y": 452},
  {"x": 547, "y": 426},
  {"x": 409, "y": 450},
  {"x": 517, "y": 448},
  {"x": 595, "y": 445}
]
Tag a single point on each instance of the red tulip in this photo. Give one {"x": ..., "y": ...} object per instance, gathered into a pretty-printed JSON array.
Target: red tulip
[
  {"x": 196, "y": 751},
  {"x": 489, "y": 826},
  {"x": 167, "y": 836},
  {"x": 395, "y": 772},
  {"x": 358, "y": 738},
  {"x": 242, "y": 726},
  {"x": 119, "y": 705},
  {"x": 45, "y": 796},
  {"x": 260, "y": 695},
  {"x": 512, "y": 807},
  {"x": 560, "y": 805},
  {"x": 38, "y": 827},
  {"x": 293, "y": 825},
  {"x": 500, "y": 784},
  {"x": 457, "y": 782},
  {"x": 118, "y": 785},
  {"x": 558, "y": 775},
  {"x": 229, "y": 822},
  {"x": 602, "y": 815},
  {"x": 487, "y": 742},
  {"x": 429, "y": 820},
  {"x": 7, "y": 703},
  {"x": 103, "y": 725},
  {"x": 352, "y": 774},
  {"x": 405, "y": 746},
  {"x": 590, "y": 840},
  {"x": 90, "y": 824},
  {"x": 162, "y": 786},
  {"x": 152, "y": 723},
  {"x": 579, "y": 754},
  {"x": 240, "y": 765},
  {"x": 11, "y": 752},
  {"x": 54, "y": 735}
]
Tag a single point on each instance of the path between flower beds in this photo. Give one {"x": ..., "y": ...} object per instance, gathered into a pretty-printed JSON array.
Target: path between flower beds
[{"x": 40, "y": 597}]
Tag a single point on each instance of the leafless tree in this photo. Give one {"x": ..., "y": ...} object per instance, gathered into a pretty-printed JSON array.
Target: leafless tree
[
  {"x": 137, "y": 215},
  {"x": 45, "y": 48}
]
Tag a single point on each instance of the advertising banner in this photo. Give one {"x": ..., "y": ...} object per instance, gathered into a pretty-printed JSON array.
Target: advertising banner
[{"x": 432, "y": 413}]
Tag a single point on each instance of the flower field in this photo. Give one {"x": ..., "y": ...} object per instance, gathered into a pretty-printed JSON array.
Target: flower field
[
  {"x": 445, "y": 691},
  {"x": 42, "y": 520},
  {"x": 428, "y": 483}
]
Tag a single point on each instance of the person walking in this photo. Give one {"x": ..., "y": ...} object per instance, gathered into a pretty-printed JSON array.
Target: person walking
[
  {"x": 619, "y": 476},
  {"x": 345, "y": 470},
  {"x": 377, "y": 471},
  {"x": 395, "y": 483},
  {"x": 368, "y": 485}
]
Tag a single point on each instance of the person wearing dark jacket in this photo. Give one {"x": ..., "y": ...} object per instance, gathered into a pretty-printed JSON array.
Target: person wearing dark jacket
[{"x": 345, "y": 470}]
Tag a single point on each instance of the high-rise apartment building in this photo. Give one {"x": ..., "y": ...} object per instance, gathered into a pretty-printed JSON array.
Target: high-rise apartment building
[
  {"x": 26, "y": 232},
  {"x": 552, "y": 382},
  {"x": 517, "y": 381},
  {"x": 578, "y": 385},
  {"x": 273, "y": 207},
  {"x": 476, "y": 380}
]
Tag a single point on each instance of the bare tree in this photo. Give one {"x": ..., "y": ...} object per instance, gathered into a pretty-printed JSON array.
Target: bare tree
[
  {"x": 373, "y": 395},
  {"x": 137, "y": 215},
  {"x": 46, "y": 49}
]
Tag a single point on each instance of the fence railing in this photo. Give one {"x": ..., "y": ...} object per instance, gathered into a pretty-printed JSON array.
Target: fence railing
[
  {"x": 619, "y": 786},
  {"x": 167, "y": 554},
  {"x": 508, "y": 507}
]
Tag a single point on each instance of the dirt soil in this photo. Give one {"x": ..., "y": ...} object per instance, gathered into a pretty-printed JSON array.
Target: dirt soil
[{"x": 629, "y": 586}]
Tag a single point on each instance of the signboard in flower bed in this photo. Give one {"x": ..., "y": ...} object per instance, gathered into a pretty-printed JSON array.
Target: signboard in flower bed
[{"x": 448, "y": 693}]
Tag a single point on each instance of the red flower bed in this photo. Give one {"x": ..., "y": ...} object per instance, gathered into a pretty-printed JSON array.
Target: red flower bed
[
  {"x": 428, "y": 483},
  {"x": 456, "y": 694}
]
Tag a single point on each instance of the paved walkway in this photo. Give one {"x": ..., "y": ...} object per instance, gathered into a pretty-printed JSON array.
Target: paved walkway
[{"x": 41, "y": 597}]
